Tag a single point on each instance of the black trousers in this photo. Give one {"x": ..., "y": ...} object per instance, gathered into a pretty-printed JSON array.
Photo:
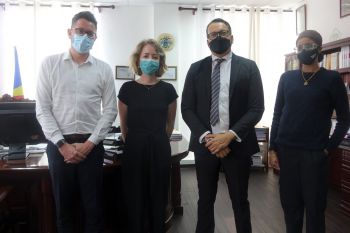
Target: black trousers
[
  {"x": 236, "y": 171},
  {"x": 303, "y": 186},
  {"x": 68, "y": 180}
]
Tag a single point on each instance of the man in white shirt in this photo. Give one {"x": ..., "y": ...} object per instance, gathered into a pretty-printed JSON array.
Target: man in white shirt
[{"x": 71, "y": 89}]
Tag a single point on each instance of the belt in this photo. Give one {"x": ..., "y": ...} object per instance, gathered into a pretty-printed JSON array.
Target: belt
[{"x": 73, "y": 138}]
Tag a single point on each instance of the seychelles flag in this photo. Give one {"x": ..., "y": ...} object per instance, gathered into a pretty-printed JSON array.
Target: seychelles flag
[{"x": 17, "y": 84}]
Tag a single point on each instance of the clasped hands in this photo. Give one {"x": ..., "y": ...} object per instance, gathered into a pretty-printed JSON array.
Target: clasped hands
[
  {"x": 218, "y": 143},
  {"x": 76, "y": 152}
]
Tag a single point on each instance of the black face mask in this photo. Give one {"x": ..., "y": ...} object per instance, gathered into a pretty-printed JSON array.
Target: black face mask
[
  {"x": 220, "y": 45},
  {"x": 307, "y": 57}
]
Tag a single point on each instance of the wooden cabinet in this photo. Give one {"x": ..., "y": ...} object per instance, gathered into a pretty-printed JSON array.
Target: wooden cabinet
[
  {"x": 340, "y": 175},
  {"x": 345, "y": 181}
]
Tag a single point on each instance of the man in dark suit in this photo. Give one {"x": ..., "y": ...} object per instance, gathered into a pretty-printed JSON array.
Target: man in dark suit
[{"x": 222, "y": 101}]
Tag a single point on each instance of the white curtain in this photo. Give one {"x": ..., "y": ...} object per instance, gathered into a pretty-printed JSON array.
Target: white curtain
[
  {"x": 254, "y": 36},
  {"x": 262, "y": 36},
  {"x": 277, "y": 38}
]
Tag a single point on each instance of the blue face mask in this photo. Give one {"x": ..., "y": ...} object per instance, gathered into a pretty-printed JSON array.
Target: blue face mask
[
  {"x": 82, "y": 44},
  {"x": 149, "y": 66}
]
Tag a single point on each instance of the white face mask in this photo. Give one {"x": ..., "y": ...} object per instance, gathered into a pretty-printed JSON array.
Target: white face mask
[{"x": 82, "y": 44}]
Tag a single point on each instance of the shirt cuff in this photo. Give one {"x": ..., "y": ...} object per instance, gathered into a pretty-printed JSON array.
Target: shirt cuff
[
  {"x": 56, "y": 138},
  {"x": 202, "y": 136},
  {"x": 94, "y": 139},
  {"x": 238, "y": 139}
]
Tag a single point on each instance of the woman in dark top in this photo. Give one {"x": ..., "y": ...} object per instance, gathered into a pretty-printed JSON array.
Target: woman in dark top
[
  {"x": 300, "y": 141},
  {"x": 147, "y": 109}
]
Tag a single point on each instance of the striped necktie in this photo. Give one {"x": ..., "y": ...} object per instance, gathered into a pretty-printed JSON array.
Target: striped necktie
[{"x": 215, "y": 90}]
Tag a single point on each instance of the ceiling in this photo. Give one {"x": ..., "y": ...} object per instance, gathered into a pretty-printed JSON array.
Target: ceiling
[{"x": 285, "y": 4}]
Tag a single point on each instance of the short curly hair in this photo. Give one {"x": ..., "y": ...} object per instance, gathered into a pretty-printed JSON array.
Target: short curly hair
[{"x": 135, "y": 57}]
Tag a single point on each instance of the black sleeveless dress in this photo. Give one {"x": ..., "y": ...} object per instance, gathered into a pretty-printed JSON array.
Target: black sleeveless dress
[{"x": 147, "y": 156}]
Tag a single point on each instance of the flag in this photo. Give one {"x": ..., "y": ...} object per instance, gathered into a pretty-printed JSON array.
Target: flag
[{"x": 17, "y": 84}]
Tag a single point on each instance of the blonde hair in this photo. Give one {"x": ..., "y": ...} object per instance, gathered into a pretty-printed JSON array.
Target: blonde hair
[{"x": 135, "y": 57}]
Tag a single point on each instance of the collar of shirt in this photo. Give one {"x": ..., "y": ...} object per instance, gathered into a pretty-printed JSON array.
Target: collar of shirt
[
  {"x": 227, "y": 57},
  {"x": 68, "y": 56}
]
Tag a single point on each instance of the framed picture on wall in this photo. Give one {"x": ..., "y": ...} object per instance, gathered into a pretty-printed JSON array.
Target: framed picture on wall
[
  {"x": 170, "y": 73},
  {"x": 123, "y": 72},
  {"x": 344, "y": 8},
  {"x": 300, "y": 19}
]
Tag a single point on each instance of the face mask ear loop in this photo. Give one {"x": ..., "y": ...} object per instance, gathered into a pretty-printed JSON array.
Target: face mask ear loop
[{"x": 320, "y": 56}]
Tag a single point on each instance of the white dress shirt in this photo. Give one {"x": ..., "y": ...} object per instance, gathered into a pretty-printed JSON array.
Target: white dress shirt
[
  {"x": 224, "y": 103},
  {"x": 70, "y": 97}
]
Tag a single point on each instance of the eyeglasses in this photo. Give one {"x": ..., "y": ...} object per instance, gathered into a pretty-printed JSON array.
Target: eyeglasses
[
  {"x": 222, "y": 33},
  {"x": 81, "y": 32},
  {"x": 306, "y": 47}
]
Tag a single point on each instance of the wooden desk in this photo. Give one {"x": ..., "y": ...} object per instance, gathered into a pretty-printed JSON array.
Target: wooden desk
[{"x": 32, "y": 188}]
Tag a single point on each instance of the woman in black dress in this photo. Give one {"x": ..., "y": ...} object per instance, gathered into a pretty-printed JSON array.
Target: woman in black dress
[{"x": 147, "y": 108}]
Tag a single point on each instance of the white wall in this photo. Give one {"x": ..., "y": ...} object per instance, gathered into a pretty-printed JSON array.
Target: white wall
[
  {"x": 166, "y": 20},
  {"x": 324, "y": 17}
]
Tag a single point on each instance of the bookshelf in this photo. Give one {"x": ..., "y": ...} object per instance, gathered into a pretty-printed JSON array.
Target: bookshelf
[{"x": 336, "y": 57}]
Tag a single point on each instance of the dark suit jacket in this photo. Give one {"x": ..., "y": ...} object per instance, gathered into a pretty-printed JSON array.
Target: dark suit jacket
[{"x": 246, "y": 103}]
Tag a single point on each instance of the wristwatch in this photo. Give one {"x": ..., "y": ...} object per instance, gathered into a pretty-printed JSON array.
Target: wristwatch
[{"x": 60, "y": 143}]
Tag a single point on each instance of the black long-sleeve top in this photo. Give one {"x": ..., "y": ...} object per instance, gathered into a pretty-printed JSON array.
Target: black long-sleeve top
[{"x": 302, "y": 114}]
